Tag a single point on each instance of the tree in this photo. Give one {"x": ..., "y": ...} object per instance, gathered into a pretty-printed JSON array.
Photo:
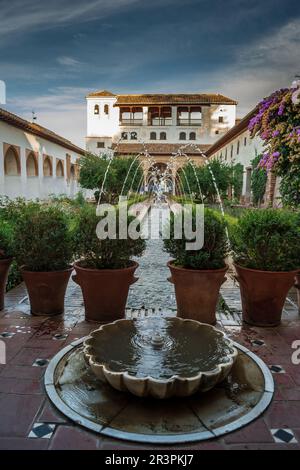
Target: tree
[
  {"x": 118, "y": 171},
  {"x": 200, "y": 180}
]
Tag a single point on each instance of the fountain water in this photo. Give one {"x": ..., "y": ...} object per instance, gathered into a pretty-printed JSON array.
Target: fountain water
[{"x": 161, "y": 358}]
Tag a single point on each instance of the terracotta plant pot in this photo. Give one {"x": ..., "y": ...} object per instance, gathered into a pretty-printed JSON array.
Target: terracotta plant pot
[
  {"x": 197, "y": 292},
  {"x": 263, "y": 294},
  {"x": 47, "y": 290},
  {"x": 4, "y": 268},
  {"x": 105, "y": 291}
]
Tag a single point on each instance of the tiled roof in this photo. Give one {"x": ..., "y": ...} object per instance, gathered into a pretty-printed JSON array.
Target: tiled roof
[
  {"x": 234, "y": 132},
  {"x": 101, "y": 93},
  {"x": 175, "y": 99},
  {"x": 159, "y": 149},
  {"x": 36, "y": 129}
]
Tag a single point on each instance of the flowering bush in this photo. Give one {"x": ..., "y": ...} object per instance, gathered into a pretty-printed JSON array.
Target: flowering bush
[{"x": 277, "y": 123}]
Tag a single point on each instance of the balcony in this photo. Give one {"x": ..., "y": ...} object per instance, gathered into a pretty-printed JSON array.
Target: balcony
[
  {"x": 160, "y": 121},
  {"x": 131, "y": 122},
  {"x": 189, "y": 122}
]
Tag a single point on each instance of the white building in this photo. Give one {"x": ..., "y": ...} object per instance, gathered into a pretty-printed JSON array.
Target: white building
[
  {"x": 236, "y": 146},
  {"x": 156, "y": 119},
  {"x": 35, "y": 162}
]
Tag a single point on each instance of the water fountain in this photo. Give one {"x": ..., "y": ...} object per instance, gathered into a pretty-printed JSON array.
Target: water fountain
[
  {"x": 162, "y": 358},
  {"x": 161, "y": 380}
]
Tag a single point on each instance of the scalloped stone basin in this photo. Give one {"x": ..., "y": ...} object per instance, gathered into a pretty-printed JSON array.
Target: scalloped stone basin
[{"x": 160, "y": 357}]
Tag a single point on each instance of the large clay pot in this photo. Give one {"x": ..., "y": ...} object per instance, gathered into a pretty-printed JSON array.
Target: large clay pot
[
  {"x": 263, "y": 294},
  {"x": 197, "y": 292},
  {"x": 4, "y": 268},
  {"x": 47, "y": 290},
  {"x": 105, "y": 291}
]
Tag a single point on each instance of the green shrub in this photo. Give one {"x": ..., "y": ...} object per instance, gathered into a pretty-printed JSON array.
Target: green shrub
[
  {"x": 42, "y": 240},
  {"x": 214, "y": 251},
  {"x": 258, "y": 181},
  {"x": 102, "y": 254},
  {"x": 267, "y": 240},
  {"x": 6, "y": 239},
  {"x": 14, "y": 276}
]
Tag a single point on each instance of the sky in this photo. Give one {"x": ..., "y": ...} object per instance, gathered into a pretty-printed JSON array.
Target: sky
[{"x": 53, "y": 53}]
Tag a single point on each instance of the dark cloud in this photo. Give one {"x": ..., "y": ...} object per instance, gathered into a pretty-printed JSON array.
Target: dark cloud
[{"x": 141, "y": 45}]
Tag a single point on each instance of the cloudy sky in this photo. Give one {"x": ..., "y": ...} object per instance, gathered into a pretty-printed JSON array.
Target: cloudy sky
[{"x": 52, "y": 53}]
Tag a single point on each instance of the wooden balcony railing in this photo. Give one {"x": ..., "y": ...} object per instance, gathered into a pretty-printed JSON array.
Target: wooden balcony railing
[
  {"x": 189, "y": 122},
  {"x": 131, "y": 122}
]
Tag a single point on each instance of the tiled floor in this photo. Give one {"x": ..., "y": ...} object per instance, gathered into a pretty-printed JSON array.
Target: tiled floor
[{"x": 29, "y": 421}]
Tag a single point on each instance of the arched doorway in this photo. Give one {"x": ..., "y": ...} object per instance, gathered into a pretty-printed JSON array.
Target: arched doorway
[
  {"x": 159, "y": 178},
  {"x": 31, "y": 165},
  {"x": 59, "y": 169},
  {"x": 47, "y": 167},
  {"x": 12, "y": 165}
]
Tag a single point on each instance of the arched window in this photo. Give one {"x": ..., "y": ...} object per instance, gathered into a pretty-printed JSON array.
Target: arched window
[
  {"x": 12, "y": 163},
  {"x": 163, "y": 136},
  {"x": 96, "y": 109},
  {"x": 31, "y": 165},
  {"x": 72, "y": 172},
  {"x": 152, "y": 135},
  {"x": 192, "y": 135},
  {"x": 106, "y": 109},
  {"x": 47, "y": 167},
  {"x": 124, "y": 135},
  {"x": 182, "y": 136},
  {"x": 133, "y": 135},
  {"x": 59, "y": 169}
]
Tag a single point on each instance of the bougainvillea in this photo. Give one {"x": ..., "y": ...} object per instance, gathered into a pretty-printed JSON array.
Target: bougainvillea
[{"x": 277, "y": 123}]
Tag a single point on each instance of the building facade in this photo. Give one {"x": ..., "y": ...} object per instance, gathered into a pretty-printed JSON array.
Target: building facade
[
  {"x": 35, "y": 162},
  {"x": 237, "y": 146},
  {"x": 164, "y": 125}
]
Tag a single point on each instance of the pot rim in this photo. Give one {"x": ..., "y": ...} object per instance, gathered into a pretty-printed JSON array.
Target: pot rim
[
  {"x": 134, "y": 265},
  {"x": 6, "y": 259},
  {"x": 69, "y": 269},
  {"x": 294, "y": 271},
  {"x": 175, "y": 377},
  {"x": 191, "y": 270}
]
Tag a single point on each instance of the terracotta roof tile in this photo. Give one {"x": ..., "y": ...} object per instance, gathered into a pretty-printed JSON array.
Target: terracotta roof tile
[
  {"x": 101, "y": 93},
  {"x": 161, "y": 149},
  {"x": 36, "y": 129},
  {"x": 175, "y": 99}
]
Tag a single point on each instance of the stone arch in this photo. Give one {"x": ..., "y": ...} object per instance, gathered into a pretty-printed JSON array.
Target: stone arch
[
  {"x": 59, "y": 169},
  {"x": 47, "y": 166},
  {"x": 12, "y": 166},
  {"x": 32, "y": 165}
]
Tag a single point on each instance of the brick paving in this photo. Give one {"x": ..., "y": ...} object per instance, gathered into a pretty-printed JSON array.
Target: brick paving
[{"x": 32, "y": 341}]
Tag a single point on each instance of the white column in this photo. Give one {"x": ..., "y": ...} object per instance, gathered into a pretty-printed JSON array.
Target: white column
[
  {"x": 145, "y": 115},
  {"x": 23, "y": 171},
  {"x": 174, "y": 115}
]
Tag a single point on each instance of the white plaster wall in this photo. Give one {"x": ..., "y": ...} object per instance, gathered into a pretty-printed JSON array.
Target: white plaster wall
[
  {"x": 36, "y": 186},
  {"x": 246, "y": 153},
  {"x": 102, "y": 124}
]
